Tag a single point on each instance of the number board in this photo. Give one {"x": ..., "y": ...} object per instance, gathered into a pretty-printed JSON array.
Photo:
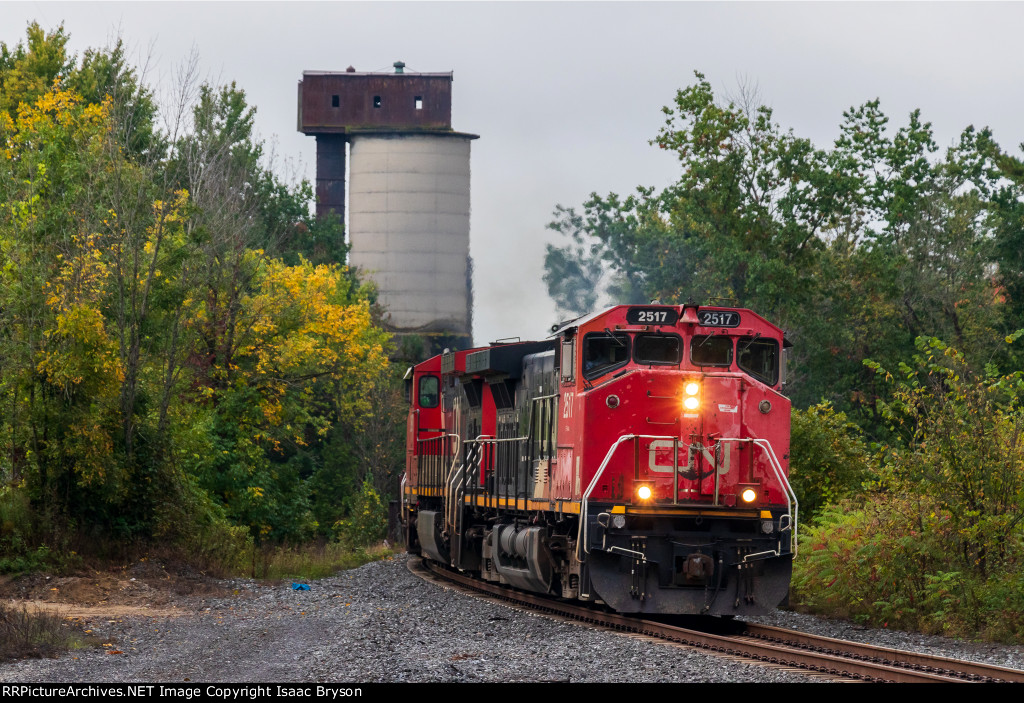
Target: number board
[
  {"x": 718, "y": 318},
  {"x": 652, "y": 316}
]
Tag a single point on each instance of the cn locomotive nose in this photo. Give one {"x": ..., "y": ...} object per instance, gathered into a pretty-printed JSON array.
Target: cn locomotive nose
[{"x": 609, "y": 462}]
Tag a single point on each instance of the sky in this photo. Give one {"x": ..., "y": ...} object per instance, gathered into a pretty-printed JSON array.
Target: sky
[{"x": 566, "y": 95}]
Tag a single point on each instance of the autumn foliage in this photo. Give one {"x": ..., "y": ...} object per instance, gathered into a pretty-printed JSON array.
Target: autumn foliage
[{"x": 178, "y": 348}]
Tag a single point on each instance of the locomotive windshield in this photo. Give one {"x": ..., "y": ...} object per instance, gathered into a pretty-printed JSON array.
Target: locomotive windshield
[
  {"x": 658, "y": 349},
  {"x": 711, "y": 350}
]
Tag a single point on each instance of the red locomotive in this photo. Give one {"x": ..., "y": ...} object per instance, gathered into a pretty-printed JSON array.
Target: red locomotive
[{"x": 638, "y": 457}]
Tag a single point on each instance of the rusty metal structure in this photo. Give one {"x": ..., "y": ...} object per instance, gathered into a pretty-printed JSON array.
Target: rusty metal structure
[{"x": 408, "y": 189}]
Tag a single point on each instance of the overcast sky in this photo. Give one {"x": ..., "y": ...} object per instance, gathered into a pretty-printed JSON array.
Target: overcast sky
[{"x": 565, "y": 96}]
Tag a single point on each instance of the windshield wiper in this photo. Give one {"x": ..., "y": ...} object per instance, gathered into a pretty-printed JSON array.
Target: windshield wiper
[
  {"x": 752, "y": 340},
  {"x": 615, "y": 338}
]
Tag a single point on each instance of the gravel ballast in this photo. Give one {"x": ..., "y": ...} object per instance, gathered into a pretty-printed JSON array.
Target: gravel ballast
[{"x": 381, "y": 623}]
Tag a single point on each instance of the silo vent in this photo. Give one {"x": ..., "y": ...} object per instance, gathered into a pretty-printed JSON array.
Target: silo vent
[
  {"x": 350, "y": 69},
  {"x": 399, "y": 66}
]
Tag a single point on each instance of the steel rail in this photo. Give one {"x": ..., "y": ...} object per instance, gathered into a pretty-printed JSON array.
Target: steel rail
[
  {"x": 761, "y": 643},
  {"x": 963, "y": 668}
]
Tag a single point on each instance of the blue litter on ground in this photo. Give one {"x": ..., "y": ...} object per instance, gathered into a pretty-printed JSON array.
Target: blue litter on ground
[{"x": 300, "y": 586}]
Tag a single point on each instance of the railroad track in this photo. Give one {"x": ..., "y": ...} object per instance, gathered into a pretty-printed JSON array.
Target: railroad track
[{"x": 833, "y": 658}]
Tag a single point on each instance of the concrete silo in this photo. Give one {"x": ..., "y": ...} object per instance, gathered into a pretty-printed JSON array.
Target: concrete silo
[{"x": 408, "y": 190}]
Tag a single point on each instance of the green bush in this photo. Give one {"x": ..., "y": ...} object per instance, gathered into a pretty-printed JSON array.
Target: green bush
[
  {"x": 27, "y": 543},
  {"x": 828, "y": 458},
  {"x": 367, "y": 519},
  {"x": 938, "y": 542},
  {"x": 868, "y": 562},
  {"x": 208, "y": 538},
  {"x": 887, "y": 562},
  {"x": 1002, "y": 601},
  {"x": 15, "y": 530},
  {"x": 963, "y": 448}
]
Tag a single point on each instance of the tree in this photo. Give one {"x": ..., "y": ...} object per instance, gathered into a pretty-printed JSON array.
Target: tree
[
  {"x": 57, "y": 351},
  {"x": 165, "y": 371},
  {"x": 855, "y": 250},
  {"x": 963, "y": 436},
  {"x": 29, "y": 70}
]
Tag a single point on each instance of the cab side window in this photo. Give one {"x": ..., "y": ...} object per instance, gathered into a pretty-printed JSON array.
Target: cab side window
[
  {"x": 429, "y": 391},
  {"x": 603, "y": 353},
  {"x": 760, "y": 358}
]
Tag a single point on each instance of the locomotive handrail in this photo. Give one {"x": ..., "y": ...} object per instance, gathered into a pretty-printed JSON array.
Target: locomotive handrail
[
  {"x": 449, "y": 508},
  {"x": 456, "y": 494},
  {"x": 435, "y": 466},
  {"x": 581, "y": 536},
  {"x": 791, "y": 501},
  {"x": 449, "y": 481},
  {"x": 781, "y": 477},
  {"x": 456, "y": 483},
  {"x": 480, "y": 439},
  {"x": 402, "y": 499},
  {"x": 792, "y": 504},
  {"x": 490, "y": 439}
]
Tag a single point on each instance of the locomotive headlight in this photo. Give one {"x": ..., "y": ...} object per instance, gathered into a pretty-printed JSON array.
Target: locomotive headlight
[
  {"x": 691, "y": 392},
  {"x": 644, "y": 492},
  {"x": 748, "y": 495}
]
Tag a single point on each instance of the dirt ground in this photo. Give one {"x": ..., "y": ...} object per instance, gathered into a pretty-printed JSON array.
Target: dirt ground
[{"x": 143, "y": 588}]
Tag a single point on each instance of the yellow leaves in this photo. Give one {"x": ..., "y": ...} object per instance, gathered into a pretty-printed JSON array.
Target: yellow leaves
[
  {"x": 79, "y": 347},
  {"x": 57, "y": 114},
  {"x": 24, "y": 211},
  {"x": 6, "y": 127},
  {"x": 91, "y": 445},
  {"x": 272, "y": 410},
  {"x": 298, "y": 318},
  {"x": 83, "y": 274},
  {"x": 299, "y": 328}
]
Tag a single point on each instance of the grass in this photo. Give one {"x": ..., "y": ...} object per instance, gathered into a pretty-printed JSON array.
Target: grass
[
  {"x": 313, "y": 561},
  {"x": 35, "y": 633}
]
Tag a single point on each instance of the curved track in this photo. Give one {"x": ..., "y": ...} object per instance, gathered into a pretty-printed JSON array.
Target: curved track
[{"x": 839, "y": 659}]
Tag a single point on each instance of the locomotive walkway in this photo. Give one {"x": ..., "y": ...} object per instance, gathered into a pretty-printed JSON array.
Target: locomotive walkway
[{"x": 836, "y": 659}]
